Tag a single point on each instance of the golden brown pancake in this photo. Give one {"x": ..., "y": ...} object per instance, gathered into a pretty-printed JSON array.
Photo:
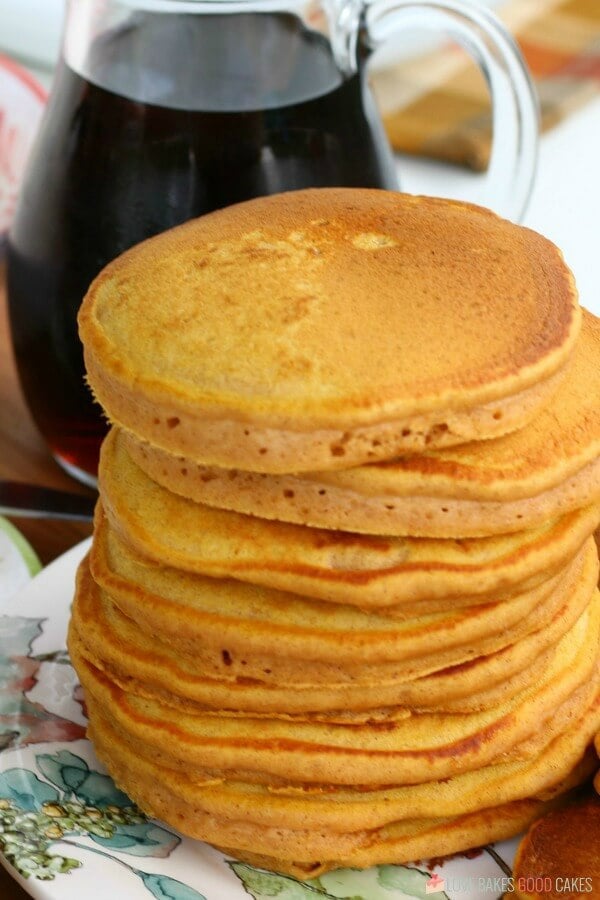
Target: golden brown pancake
[
  {"x": 400, "y": 841},
  {"x": 406, "y": 841},
  {"x": 518, "y": 481},
  {"x": 559, "y": 856},
  {"x": 185, "y": 671},
  {"x": 409, "y": 750},
  {"x": 374, "y": 719},
  {"x": 453, "y": 689},
  {"x": 528, "y": 749},
  {"x": 326, "y": 809},
  {"x": 323, "y": 822},
  {"x": 152, "y": 669},
  {"x": 196, "y": 614},
  {"x": 365, "y": 571},
  {"x": 325, "y": 328}
]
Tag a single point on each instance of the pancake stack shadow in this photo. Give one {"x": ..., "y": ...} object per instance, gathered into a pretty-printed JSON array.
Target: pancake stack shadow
[{"x": 341, "y": 606}]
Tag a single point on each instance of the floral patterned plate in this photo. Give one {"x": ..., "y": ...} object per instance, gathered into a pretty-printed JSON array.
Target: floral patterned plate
[{"x": 67, "y": 832}]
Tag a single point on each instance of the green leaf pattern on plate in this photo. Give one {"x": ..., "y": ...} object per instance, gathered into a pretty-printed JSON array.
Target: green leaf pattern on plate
[
  {"x": 377, "y": 883},
  {"x": 25, "y": 789},
  {"x": 141, "y": 839},
  {"x": 263, "y": 885},
  {"x": 76, "y": 800},
  {"x": 72, "y": 775},
  {"x": 165, "y": 888}
]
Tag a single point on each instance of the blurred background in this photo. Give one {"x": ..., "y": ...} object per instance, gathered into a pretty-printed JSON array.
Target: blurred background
[{"x": 30, "y": 32}]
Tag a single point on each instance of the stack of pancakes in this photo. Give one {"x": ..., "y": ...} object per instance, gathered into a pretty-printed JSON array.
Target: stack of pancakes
[{"x": 341, "y": 603}]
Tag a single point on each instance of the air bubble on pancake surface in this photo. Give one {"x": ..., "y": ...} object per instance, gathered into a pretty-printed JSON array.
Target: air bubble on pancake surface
[{"x": 370, "y": 240}]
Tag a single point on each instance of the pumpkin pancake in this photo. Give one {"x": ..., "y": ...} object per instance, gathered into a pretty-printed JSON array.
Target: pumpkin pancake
[
  {"x": 339, "y": 811},
  {"x": 467, "y": 687},
  {"x": 559, "y": 856},
  {"x": 403, "y": 842},
  {"x": 528, "y": 749},
  {"x": 166, "y": 755},
  {"x": 398, "y": 841},
  {"x": 180, "y": 670},
  {"x": 420, "y": 747},
  {"x": 370, "y": 572},
  {"x": 377, "y": 717},
  {"x": 197, "y": 614},
  {"x": 321, "y": 329},
  {"x": 518, "y": 481}
]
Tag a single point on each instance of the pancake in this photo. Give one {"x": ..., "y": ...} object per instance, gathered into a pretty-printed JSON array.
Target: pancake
[
  {"x": 376, "y": 716},
  {"x": 328, "y": 809},
  {"x": 197, "y": 614},
  {"x": 550, "y": 467},
  {"x": 323, "y": 502},
  {"x": 528, "y": 749},
  {"x": 466, "y": 687},
  {"x": 370, "y": 572},
  {"x": 421, "y": 747},
  {"x": 365, "y": 728},
  {"x": 324, "y": 328},
  {"x": 360, "y": 848},
  {"x": 562, "y": 848},
  {"x": 463, "y": 687},
  {"x": 420, "y": 839},
  {"x": 178, "y": 670}
]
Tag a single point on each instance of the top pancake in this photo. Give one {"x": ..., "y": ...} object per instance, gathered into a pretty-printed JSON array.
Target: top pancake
[{"x": 320, "y": 329}]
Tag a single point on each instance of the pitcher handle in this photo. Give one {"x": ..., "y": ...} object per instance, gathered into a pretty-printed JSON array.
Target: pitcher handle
[{"x": 515, "y": 112}]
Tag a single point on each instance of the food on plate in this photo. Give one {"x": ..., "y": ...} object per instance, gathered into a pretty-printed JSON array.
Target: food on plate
[
  {"x": 558, "y": 857},
  {"x": 341, "y": 605},
  {"x": 321, "y": 329}
]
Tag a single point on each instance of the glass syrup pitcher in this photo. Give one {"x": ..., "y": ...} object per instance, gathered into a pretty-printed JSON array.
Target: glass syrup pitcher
[{"x": 163, "y": 110}]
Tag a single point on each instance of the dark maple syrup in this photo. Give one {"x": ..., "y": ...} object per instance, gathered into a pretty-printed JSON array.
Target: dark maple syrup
[{"x": 171, "y": 117}]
